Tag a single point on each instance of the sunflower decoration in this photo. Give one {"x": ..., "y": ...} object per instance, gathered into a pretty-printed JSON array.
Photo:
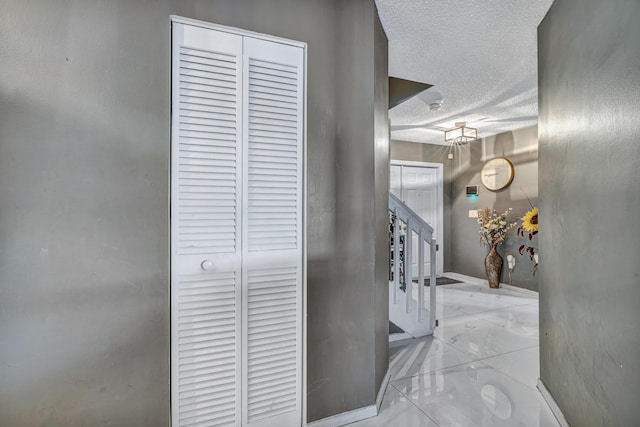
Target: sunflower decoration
[
  {"x": 530, "y": 221},
  {"x": 529, "y": 226}
]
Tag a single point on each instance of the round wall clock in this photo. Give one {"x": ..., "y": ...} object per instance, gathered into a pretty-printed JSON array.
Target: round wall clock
[{"x": 497, "y": 173}]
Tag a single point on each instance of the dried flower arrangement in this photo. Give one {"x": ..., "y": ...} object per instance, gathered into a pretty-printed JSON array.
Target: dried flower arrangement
[{"x": 494, "y": 226}]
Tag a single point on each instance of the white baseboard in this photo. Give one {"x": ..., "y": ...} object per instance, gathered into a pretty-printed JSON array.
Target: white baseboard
[
  {"x": 355, "y": 415},
  {"x": 471, "y": 279},
  {"x": 463, "y": 277},
  {"x": 383, "y": 388},
  {"x": 517, "y": 289},
  {"x": 399, "y": 336},
  {"x": 346, "y": 417},
  {"x": 555, "y": 409}
]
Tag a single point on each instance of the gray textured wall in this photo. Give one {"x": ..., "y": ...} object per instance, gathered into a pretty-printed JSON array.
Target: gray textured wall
[
  {"x": 84, "y": 171},
  {"x": 467, "y": 252},
  {"x": 344, "y": 319},
  {"x": 381, "y": 198},
  {"x": 463, "y": 251},
  {"x": 589, "y": 78}
]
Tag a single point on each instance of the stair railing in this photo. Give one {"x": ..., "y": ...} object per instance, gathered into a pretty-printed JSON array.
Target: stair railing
[{"x": 414, "y": 224}]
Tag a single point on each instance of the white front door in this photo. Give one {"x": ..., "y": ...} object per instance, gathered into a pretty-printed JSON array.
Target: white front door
[
  {"x": 236, "y": 229},
  {"x": 419, "y": 192},
  {"x": 396, "y": 181},
  {"x": 419, "y": 187}
]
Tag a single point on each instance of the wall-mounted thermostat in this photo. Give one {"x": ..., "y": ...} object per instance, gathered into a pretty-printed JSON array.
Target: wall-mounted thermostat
[{"x": 472, "y": 191}]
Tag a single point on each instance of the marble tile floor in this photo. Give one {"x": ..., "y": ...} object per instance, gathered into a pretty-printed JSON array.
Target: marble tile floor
[{"x": 479, "y": 369}]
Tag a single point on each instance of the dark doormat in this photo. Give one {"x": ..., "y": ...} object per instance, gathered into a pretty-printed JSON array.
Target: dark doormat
[
  {"x": 394, "y": 329},
  {"x": 440, "y": 280}
]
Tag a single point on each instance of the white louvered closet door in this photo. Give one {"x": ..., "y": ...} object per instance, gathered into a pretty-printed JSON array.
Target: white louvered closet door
[
  {"x": 206, "y": 218},
  {"x": 236, "y": 230},
  {"x": 272, "y": 246}
]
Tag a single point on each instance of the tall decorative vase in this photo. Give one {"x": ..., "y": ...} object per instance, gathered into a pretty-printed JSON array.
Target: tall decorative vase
[{"x": 493, "y": 265}]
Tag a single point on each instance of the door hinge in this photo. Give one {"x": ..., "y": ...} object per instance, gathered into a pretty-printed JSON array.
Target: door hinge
[
  {"x": 437, "y": 247},
  {"x": 437, "y": 322}
]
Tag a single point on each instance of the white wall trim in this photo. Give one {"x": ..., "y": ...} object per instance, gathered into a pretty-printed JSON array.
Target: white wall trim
[
  {"x": 555, "y": 409},
  {"x": 399, "y": 336},
  {"x": 304, "y": 239},
  {"x": 463, "y": 277},
  {"x": 517, "y": 289},
  {"x": 356, "y": 414},
  {"x": 383, "y": 389},
  {"x": 440, "y": 188},
  {"x": 346, "y": 417},
  {"x": 470, "y": 279}
]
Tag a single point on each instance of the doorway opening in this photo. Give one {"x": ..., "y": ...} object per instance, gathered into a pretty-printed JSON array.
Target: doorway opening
[{"x": 420, "y": 186}]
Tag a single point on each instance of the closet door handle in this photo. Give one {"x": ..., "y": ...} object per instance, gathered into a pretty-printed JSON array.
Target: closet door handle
[{"x": 206, "y": 265}]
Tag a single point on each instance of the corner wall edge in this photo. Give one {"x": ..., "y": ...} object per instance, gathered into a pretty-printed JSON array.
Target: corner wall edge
[
  {"x": 555, "y": 409},
  {"x": 354, "y": 415}
]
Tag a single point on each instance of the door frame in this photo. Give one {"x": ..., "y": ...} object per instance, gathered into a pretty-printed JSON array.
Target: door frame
[
  {"x": 440, "y": 209},
  {"x": 173, "y": 136}
]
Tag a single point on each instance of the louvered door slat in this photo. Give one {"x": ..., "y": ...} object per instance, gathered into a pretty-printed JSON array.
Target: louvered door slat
[
  {"x": 271, "y": 341},
  {"x": 201, "y": 119},
  {"x": 208, "y": 143},
  {"x": 273, "y": 225},
  {"x": 215, "y": 136},
  {"x": 206, "y": 225}
]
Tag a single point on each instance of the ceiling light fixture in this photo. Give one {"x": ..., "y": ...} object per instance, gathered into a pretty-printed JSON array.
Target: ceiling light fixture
[{"x": 461, "y": 134}]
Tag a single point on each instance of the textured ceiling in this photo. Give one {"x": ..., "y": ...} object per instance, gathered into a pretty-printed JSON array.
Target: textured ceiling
[{"x": 480, "y": 57}]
